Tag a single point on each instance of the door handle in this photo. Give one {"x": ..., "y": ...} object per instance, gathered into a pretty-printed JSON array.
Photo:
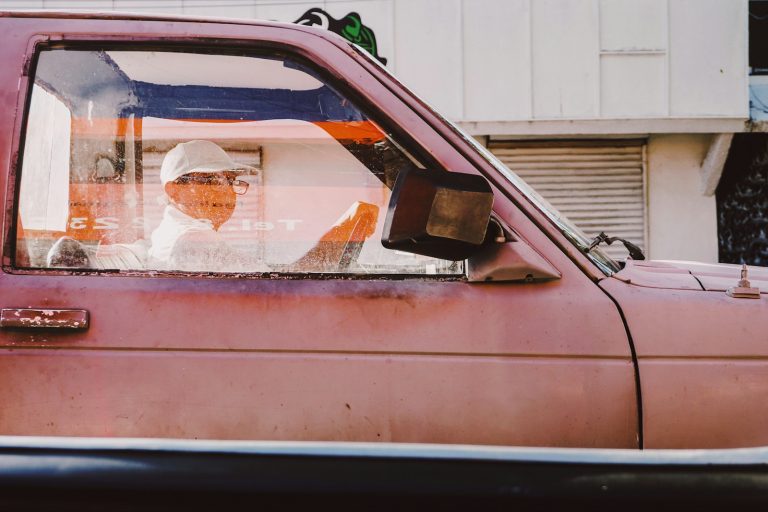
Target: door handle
[{"x": 36, "y": 318}]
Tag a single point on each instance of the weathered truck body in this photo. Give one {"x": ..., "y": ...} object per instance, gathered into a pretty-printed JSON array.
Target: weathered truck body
[{"x": 522, "y": 336}]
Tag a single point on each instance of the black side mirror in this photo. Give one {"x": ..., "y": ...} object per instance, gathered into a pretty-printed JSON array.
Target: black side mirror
[{"x": 438, "y": 214}]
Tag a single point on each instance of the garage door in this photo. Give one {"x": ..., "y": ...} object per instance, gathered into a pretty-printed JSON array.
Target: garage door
[{"x": 599, "y": 185}]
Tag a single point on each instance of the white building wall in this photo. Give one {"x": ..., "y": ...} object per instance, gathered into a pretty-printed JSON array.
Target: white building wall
[
  {"x": 497, "y": 60},
  {"x": 708, "y": 58},
  {"x": 682, "y": 222},
  {"x": 563, "y": 45},
  {"x": 634, "y": 58},
  {"x": 435, "y": 70},
  {"x": 517, "y": 61}
]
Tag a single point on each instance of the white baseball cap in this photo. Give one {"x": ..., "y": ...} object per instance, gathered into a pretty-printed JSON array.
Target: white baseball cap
[{"x": 197, "y": 156}]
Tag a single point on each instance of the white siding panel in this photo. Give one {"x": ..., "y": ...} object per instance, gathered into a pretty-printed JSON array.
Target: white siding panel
[
  {"x": 708, "y": 57},
  {"x": 633, "y": 24},
  {"x": 633, "y": 85},
  {"x": 428, "y": 50},
  {"x": 105, "y": 5},
  {"x": 222, "y": 10},
  {"x": 13, "y": 5},
  {"x": 565, "y": 58},
  {"x": 147, "y": 7},
  {"x": 288, "y": 11},
  {"x": 497, "y": 66},
  {"x": 600, "y": 186}
]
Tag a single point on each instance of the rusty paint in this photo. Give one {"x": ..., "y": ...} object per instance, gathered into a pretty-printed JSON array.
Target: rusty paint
[
  {"x": 27, "y": 318},
  {"x": 294, "y": 276}
]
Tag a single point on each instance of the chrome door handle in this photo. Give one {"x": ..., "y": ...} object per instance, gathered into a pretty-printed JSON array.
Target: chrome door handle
[{"x": 35, "y": 318}]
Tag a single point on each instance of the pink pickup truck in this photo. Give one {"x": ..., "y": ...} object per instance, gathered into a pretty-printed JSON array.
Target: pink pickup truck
[{"x": 229, "y": 229}]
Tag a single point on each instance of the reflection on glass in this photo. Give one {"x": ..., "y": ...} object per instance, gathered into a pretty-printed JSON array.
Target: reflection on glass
[{"x": 294, "y": 178}]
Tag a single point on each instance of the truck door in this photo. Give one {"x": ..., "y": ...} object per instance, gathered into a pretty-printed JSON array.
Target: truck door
[{"x": 248, "y": 296}]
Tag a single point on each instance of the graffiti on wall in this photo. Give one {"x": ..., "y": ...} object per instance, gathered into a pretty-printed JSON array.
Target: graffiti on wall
[{"x": 350, "y": 27}]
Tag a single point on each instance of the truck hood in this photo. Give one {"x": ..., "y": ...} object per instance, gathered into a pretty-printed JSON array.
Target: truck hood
[{"x": 690, "y": 275}]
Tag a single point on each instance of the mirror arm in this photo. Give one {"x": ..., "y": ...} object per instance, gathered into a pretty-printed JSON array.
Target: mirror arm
[
  {"x": 498, "y": 232},
  {"x": 509, "y": 261}
]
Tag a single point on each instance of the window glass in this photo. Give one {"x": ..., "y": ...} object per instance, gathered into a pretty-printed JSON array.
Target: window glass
[{"x": 168, "y": 161}]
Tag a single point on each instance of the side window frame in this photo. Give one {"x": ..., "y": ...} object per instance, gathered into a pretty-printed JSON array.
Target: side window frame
[{"x": 217, "y": 47}]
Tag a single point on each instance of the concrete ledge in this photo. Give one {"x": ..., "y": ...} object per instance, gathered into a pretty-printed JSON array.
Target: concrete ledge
[{"x": 606, "y": 127}]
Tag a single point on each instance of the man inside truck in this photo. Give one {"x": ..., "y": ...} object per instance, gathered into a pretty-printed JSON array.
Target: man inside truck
[
  {"x": 324, "y": 169},
  {"x": 201, "y": 184}
]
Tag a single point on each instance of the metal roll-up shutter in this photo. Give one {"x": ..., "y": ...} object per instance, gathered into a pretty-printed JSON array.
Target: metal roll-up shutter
[{"x": 599, "y": 185}]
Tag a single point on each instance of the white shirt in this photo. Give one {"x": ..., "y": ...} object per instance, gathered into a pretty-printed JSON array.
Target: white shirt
[{"x": 184, "y": 243}]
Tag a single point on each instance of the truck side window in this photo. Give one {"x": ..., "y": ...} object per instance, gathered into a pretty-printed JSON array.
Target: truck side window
[{"x": 198, "y": 163}]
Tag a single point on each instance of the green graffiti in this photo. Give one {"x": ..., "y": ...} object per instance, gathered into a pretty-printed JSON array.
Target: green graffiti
[
  {"x": 350, "y": 27},
  {"x": 359, "y": 34}
]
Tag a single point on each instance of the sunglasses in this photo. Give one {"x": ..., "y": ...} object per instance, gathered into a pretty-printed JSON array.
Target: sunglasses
[{"x": 239, "y": 186}]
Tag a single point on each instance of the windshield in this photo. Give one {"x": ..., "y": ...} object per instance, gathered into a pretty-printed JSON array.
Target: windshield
[{"x": 575, "y": 235}]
